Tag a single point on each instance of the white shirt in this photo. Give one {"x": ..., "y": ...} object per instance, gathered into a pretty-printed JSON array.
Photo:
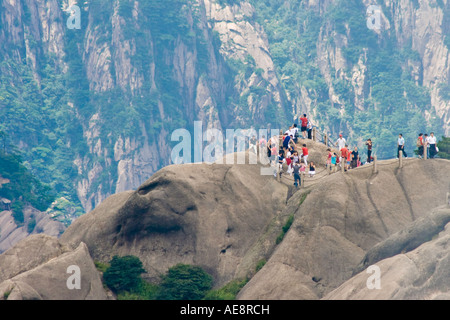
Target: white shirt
[
  {"x": 401, "y": 141},
  {"x": 341, "y": 143},
  {"x": 431, "y": 140}
]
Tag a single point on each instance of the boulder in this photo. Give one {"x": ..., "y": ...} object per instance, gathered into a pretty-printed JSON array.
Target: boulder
[
  {"x": 38, "y": 267},
  {"x": 209, "y": 215},
  {"x": 422, "y": 273}
]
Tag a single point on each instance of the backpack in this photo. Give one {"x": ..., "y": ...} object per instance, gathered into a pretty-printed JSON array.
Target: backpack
[{"x": 419, "y": 142}]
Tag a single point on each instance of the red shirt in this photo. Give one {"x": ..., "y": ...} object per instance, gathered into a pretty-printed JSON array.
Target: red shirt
[
  {"x": 344, "y": 152},
  {"x": 304, "y": 121},
  {"x": 305, "y": 151}
]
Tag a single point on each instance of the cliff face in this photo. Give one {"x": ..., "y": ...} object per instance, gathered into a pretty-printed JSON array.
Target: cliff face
[{"x": 111, "y": 93}]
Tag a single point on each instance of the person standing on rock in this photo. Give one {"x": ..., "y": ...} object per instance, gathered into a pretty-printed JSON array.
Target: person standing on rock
[
  {"x": 344, "y": 155},
  {"x": 305, "y": 154},
  {"x": 281, "y": 160},
  {"x": 369, "y": 150},
  {"x": 286, "y": 140},
  {"x": 262, "y": 143},
  {"x": 401, "y": 146},
  {"x": 334, "y": 162},
  {"x": 312, "y": 169},
  {"x": 432, "y": 143},
  {"x": 304, "y": 125},
  {"x": 252, "y": 143},
  {"x": 295, "y": 132},
  {"x": 340, "y": 142},
  {"x": 328, "y": 163},
  {"x": 355, "y": 157},
  {"x": 309, "y": 129},
  {"x": 297, "y": 180},
  {"x": 419, "y": 144}
]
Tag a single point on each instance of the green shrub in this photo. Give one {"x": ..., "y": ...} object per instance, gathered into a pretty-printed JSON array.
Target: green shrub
[
  {"x": 227, "y": 292},
  {"x": 184, "y": 282},
  {"x": 31, "y": 225},
  {"x": 285, "y": 228},
  {"x": 124, "y": 274},
  {"x": 101, "y": 266},
  {"x": 144, "y": 291},
  {"x": 261, "y": 263}
]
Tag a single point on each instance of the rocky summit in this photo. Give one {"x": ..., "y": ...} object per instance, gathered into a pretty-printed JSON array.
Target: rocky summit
[{"x": 227, "y": 218}]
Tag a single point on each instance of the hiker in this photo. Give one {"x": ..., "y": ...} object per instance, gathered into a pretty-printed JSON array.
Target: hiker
[
  {"x": 286, "y": 140},
  {"x": 426, "y": 145},
  {"x": 296, "y": 170},
  {"x": 296, "y": 157},
  {"x": 290, "y": 163},
  {"x": 340, "y": 142},
  {"x": 432, "y": 143},
  {"x": 328, "y": 162},
  {"x": 305, "y": 154},
  {"x": 401, "y": 146},
  {"x": 262, "y": 142},
  {"x": 420, "y": 144},
  {"x": 253, "y": 143},
  {"x": 338, "y": 161},
  {"x": 288, "y": 131},
  {"x": 355, "y": 157},
  {"x": 344, "y": 155},
  {"x": 288, "y": 158},
  {"x": 302, "y": 167},
  {"x": 269, "y": 148},
  {"x": 369, "y": 150},
  {"x": 334, "y": 159},
  {"x": 312, "y": 169},
  {"x": 291, "y": 143},
  {"x": 309, "y": 129},
  {"x": 304, "y": 125},
  {"x": 295, "y": 133},
  {"x": 281, "y": 160},
  {"x": 349, "y": 158}
]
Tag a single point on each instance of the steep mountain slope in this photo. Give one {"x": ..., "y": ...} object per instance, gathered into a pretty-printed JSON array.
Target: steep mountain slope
[
  {"x": 23, "y": 201},
  {"x": 341, "y": 219},
  {"x": 35, "y": 222},
  {"x": 108, "y": 95}
]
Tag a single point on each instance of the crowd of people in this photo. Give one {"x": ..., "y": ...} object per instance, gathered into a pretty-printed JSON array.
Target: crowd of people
[{"x": 296, "y": 158}]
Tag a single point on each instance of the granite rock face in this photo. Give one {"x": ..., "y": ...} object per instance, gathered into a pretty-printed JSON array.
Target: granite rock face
[
  {"x": 347, "y": 221},
  {"x": 421, "y": 273},
  {"x": 40, "y": 268},
  {"x": 210, "y": 215}
]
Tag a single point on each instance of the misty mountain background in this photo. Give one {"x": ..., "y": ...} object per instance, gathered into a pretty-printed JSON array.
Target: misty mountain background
[{"x": 89, "y": 112}]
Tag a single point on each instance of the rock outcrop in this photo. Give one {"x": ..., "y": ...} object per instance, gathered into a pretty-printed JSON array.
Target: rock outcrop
[
  {"x": 34, "y": 222},
  {"x": 342, "y": 219},
  {"x": 421, "y": 273},
  {"x": 205, "y": 214},
  {"x": 38, "y": 268}
]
